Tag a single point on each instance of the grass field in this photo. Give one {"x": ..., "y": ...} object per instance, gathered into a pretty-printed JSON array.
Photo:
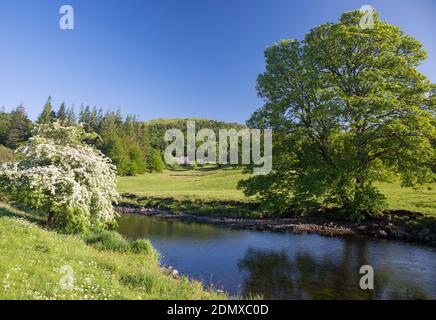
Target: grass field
[
  {"x": 201, "y": 184},
  {"x": 219, "y": 187},
  {"x": 32, "y": 258}
]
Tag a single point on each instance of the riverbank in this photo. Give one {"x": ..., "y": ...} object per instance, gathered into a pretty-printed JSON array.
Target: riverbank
[
  {"x": 395, "y": 225},
  {"x": 210, "y": 195},
  {"x": 37, "y": 263}
]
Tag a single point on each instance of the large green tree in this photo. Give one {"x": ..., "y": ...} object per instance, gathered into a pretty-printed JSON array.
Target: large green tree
[{"x": 348, "y": 108}]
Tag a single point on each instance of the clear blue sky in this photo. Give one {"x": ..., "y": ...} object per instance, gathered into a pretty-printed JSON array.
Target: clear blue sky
[{"x": 161, "y": 58}]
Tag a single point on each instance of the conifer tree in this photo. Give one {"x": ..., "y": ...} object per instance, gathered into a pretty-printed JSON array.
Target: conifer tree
[
  {"x": 47, "y": 115},
  {"x": 62, "y": 114},
  {"x": 19, "y": 128},
  {"x": 70, "y": 117}
]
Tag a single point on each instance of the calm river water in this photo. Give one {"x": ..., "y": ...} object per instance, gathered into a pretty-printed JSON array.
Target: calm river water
[{"x": 287, "y": 265}]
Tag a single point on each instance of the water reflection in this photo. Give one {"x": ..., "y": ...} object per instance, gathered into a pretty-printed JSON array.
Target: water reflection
[
  {"x": 274, "y": 275},
  {"x": 287, "y": 265},
  {"x": 136, "y": 226}
]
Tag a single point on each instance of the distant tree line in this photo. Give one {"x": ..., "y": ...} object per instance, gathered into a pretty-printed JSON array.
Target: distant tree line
[
  {"x": 133, "y": 146},
  {"x": 124, "y": 140}
]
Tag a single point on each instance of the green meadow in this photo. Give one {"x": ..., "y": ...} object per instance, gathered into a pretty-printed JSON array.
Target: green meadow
[
  {"x": 207, "y": 183},
  {"x": 215, "y": 187}
]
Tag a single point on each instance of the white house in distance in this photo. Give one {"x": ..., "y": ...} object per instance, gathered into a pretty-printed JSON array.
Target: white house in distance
[{"x": 181, "y": 160}]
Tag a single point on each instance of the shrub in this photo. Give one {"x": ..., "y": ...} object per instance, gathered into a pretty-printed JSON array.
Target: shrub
[
  {"x": 156, "y": 162},
  {"x": 107, "y": 240},
  {"x": 143, "y": 246}
]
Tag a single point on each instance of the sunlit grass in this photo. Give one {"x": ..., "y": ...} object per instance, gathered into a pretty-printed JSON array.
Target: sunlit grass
[
  {"x": 421, "y": 199},
  {"x": 221, "y": 184},
  {"x": 31, "y": 259},
  {"x": 201, "y": 184}
]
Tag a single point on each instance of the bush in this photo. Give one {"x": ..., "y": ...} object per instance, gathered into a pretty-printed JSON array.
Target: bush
[
  {"x": 143, "y": 246},
  {"x": 72, "y": 221},
  {"x": 107, "y": 240},
  {"x": 156, "y": 162},
  {"x": 113, "y": 241}
]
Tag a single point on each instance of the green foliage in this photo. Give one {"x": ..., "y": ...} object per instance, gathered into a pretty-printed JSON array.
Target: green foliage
[
  {"x": 143, "y": 246},
  {"x": 156, "y": 162},
  {"x": 70, "y": 117},
  {"x": 125, "y": 143},
  {"x": 47, "y": 115},
  {"x": 5, "y": 123},
  {"x": 61, "y": 115},
  {"x": 107, "y": 240},
  {"x": 19, "y": 128},
  {"x": 71, "y": 220},
  {"x": 31, "y": 257},
  {"x": 59, "y": 174},
  {"x": 158, "y": 127},
  {"x": 125, "y": 153},
  {"x": 348, "y": 108},
  {"x": 6, "y": 155}
]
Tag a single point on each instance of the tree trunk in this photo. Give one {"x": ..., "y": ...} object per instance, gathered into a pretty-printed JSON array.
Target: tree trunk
[{"x": 51, "y": 220}]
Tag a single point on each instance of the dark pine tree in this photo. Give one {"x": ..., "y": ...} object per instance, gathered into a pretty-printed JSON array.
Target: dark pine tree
[
  {"x": 85, "y": 117},
  {"x": 47, "y": 115},
  {"x": 19, "y": 129},
  {"x": 70, "y": 118},
  {"x": 61, "y": 116}
]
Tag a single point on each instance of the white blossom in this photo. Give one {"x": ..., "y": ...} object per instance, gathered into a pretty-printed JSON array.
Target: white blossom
[{"x": 57, "y": 172}]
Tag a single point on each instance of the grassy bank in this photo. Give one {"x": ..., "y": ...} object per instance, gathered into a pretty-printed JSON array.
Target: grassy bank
[
  {"x": 214, "y": 192},
  {"x": 205, "y": 191},
  {"x": 32, "y": 258},
  {"x": 207, "y": 184}
]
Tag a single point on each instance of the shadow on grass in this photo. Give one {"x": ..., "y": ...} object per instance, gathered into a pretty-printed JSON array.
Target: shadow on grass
[
  {"x": 14, "y": 210},
  {"x": 202, "y": 207},
  {"x": 215, "y": 168},
  {"x": 204, "y": 168}
]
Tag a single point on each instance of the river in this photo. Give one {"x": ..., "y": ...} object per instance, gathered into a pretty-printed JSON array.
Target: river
[{"x": 287, "y": 265}]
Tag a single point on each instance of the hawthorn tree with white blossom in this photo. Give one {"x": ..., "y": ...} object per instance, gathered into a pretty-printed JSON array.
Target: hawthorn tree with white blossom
[{"x": 59, "y": 174}]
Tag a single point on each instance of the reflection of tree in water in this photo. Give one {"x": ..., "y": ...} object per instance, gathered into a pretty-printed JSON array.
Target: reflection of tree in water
[
  {"x": 274, "y": 275},
  {"x": 136, "y": 226}
]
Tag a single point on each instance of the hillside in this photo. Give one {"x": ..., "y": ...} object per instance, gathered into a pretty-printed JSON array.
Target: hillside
[
  {"x": 158, "y": 127},
  {"x": 32, "y": 259}
]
